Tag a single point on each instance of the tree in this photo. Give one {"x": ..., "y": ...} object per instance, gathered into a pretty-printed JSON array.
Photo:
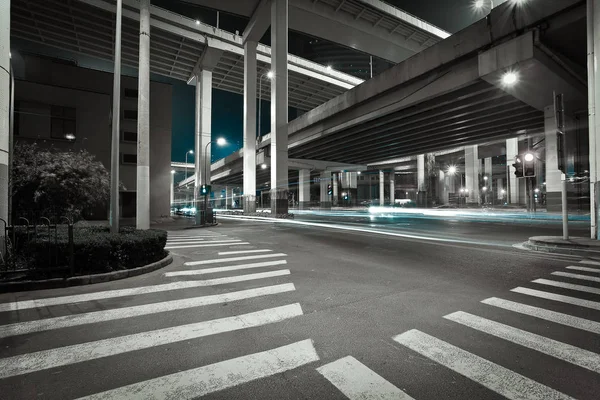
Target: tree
[{"x": 49, "y": 183}]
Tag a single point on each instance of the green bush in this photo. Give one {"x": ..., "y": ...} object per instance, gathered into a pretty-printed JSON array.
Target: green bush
[{"x": 95, "y": 249}]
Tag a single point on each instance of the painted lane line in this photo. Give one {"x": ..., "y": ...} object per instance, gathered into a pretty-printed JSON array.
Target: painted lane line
[
  {"x": 589, "y": 262},
  {"x": 493, "y": 376},
  {"x": 357, "y": 382},
  {"x": 202, "y": 242},
  {"x": 61, "y": 356},
  {"x": 22, "y": 328},
  {"x": 548, "y": 315},
  {"x": 577, "y": 276},
  {"x": 565, "y": 285},
  {"x": 78, "y": 298},
  {"x": 586, "y": 269},
  {"x": 194, "y": 237},
  {"x": 201, "y": 381},
  {"x": 186, "y": 240},
  {"x": 558, "y": 297},
  {"x": 206, "y": 245},
  {"x": 563, "y": 351},
  {"x": 225, "y": 253},
  {"x": 225, "y": 269},
  {"x": 220, "y": 260}
]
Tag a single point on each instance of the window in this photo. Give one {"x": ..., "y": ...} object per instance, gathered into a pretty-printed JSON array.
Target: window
[
  {"x": 131, "y": 93},
  {"x": 129, "y": 158},
  {"x": 128, "y": 136},
  {"x": 130, "y": 114},
  {"x": 62, "y": 123}
]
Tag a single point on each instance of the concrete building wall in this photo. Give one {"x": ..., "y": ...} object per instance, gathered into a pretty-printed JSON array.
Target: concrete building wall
[{"x": 44, "y": 82}]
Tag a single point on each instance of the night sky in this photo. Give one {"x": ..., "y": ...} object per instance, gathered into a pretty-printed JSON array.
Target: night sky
[{"x": 450, "y": 15}]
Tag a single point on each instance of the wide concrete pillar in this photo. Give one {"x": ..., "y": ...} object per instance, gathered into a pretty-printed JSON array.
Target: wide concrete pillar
[
  {"x": 512, "y": 150},
  {"x": 172, "y": 194},
  {"x": 250, "y": 127},
  {"x": 143, "y": 123},
  {"x": 202, "y": 131},
  {"x": 335, "y": 178},
  {"x": 392, "y": 188},
  {"x": 4, "y": 107},
  {"x": 303, "y": 189},
  {"x": 500, "y": 191},
  {"x": 593, "y": 46},
  {"x": 279, "y": 107},
  {"x": 553, "y": 175},
  {"x": 443, "y": 188},
  {"x": 472, "y": 174},
  {"x": 381, "y": 188},
  {"x": 325, "y": 197}
]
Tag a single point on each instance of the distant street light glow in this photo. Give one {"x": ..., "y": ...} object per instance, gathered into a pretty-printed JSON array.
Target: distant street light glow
[
  {"x": 510, "y": 78},
  {"x": 484, "y": 188},
  {"x": 479, "y": 3},
  {"x": 452, "y": 170},
  {"x": 503, "y": 191},
  {"x": 263, "y": 166},
  {"x": 221, "y": 141},
  {"x": 270, "y": 74},
  {"x": 485, "y": 178},
  {"x": 172, "y": 171},
  {"x": 329, "y": 68},
  {"x": 358, "y": 172},
  {"x": 537, "y": 190},
  {"x": 197, "y": 22},
  {"x": 528, "y": 157}
]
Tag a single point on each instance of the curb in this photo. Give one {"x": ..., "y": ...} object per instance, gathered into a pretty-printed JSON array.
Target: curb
[
  {"x": 83, "y": 280},
  {"x": 572, "y": 249}
]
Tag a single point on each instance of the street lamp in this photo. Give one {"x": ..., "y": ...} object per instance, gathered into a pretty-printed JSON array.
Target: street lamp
[
  {"x": 529, "y": 157},
  {"x": 510, "y": 78},
  {"x": 186, "y": 161},
  {"x": 269, "y": 75},
  {"x": 220, "y": 142},
  {"x": 263, "y": 166},
  {"x": 479, "y": 4}
]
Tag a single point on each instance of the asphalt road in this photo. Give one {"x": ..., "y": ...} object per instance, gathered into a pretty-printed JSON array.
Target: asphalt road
[{"x": 334, "y": 314}]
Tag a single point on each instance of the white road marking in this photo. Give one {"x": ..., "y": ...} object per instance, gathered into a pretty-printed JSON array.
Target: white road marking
[
  {"x": 61, "y": 356},
  {"x": 201, "y": 381},
  {"x": 194, "y": 237},
  {"x": 567, "y": 286},
  {"x": 357, "y": 382},
  {"x": 558, "y": 297},
  {"x": 587, "y": 269},
  {"x": 220, "y": 260},
  {"x": 548, "y": 315},
  {"x": 186, "y": 240},
  {"x": 238, "y": 243},
  {"x": 493, "y": 376},
  {"x": 202, "y": 242},
  {"x": 563, "y": 351},
  {"x": 66, "y": 321},
  {"x": 78, "y": 298},
  {"x": 577, "y": 276},
  {"x": 225, "y": 269},
  {"x": 225, "y": 253},
  {"x": 589, "y": 262}
]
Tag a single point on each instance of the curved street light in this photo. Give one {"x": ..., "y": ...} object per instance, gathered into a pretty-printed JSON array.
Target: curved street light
[{"x": 269, "y": 75}]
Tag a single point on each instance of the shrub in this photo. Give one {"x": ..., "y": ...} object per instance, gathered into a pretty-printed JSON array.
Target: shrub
[{"x": 95, "y": 249}]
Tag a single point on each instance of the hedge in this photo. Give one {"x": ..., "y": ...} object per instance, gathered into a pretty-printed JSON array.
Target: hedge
[{"x": 96, "y": 250}]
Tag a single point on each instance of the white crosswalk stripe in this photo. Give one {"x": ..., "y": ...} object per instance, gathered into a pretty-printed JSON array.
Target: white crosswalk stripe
[
  {"x": 577, "y": 276},
  {"x": 201, "y": 381},
  {"x": 226, "y": 253},
  {"x": 189, "y": 246},
  {"x": 493, "y": 376},
  {"x": 62, "y": 356},
  {"x": 589, "y": 262},
  {"x": 357, "y": 382},
  {"x": 66, "y": 321},
  {"x": 563, "y": 351},
  {"x": 565, "y": 285},
  {"x": 38, "y": 303},
  {"x": 586, "y": 269},
  {"x": 231, "y": 259},
  {"x": 225, "y": 269},
  {"x": 548, "y": 315},
  {"x": 558, "y": 297}
]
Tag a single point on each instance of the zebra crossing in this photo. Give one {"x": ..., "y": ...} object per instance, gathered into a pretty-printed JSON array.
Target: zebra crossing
[
  {"x": 189, "y": 383},
  {"x": 357, "y": 381}
]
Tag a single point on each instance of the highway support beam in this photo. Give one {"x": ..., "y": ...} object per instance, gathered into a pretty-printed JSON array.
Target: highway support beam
[
  {"x": 472, "y": 174},
  {"x": 250, "y": 126},
  {"x": 279, "y": 107},
  {"x": 303, "y": 189},
  {"x": 392, "y": 188},
  {"x": 143, "y": 123},
  {"x": 259, "y": 22},
  {"x": 381, "y": 188},
  {"x": 4, "y": 109},
  {"x": 593, "y": 43}
]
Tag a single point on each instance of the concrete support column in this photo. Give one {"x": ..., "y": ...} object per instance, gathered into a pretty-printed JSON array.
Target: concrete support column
[
  {"x": 593, "y": 45},
  {"x": 303, "y": 189},
  {"x": 443, "y": 188},
  {"x": 489, "y": 182},
  {"x": 381, "y": 188},
  {"x": 512, "y": 150},
  {"x": 553, "y": 175},
  {"x": 203, "y": 131},
  {"x": 279, "y": 107},
  {"x": 472, "y": 174},
  {"x": 143, "y": 123},
  {"x": 335, "y": 178},
  {"x": 250, "y": 127},
  {"x": 392, "y": 188},
  {"x": 172, "y": 196},
  {"x": 421, "y": 189},
  {"x": 500, "y": 191},
  {"x": 116, "y": 127},
  {"x": 325, "y": 180}
]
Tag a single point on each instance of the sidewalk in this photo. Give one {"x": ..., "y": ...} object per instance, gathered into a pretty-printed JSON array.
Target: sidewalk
[{"x": 578, "y": 246}]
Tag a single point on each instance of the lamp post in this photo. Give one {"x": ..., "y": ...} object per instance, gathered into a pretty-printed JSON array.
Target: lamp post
[
  {"x": 452, "y": 170},
  {"x": 186, "y": 161},
  {"x": 270, "y": 76},
  {"x": 220, "y": 142}
]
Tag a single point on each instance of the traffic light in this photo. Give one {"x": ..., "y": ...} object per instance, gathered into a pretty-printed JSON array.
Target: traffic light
[
  {"x": 518, "y": 166},
  {"x": 204, "y": 190},
  {"x": 529, "y": 165},
  {"x": 329, "y": 190}
]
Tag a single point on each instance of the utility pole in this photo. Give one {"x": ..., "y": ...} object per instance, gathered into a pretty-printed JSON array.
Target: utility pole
[
  {"x": 593, "y": 50},
  {"x": 116, "y": 128}
]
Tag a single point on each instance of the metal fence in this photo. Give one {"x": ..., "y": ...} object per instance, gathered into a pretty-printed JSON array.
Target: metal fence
[{"x": 35, "y": 249}]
